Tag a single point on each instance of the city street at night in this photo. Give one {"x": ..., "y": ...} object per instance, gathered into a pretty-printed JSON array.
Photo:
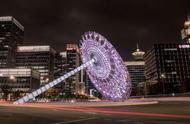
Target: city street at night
[
  {"x": 95, "y": 62},
  {"x": 163, "y": 112}
]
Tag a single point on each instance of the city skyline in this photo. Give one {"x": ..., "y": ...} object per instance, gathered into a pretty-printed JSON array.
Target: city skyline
[
  {"x": 124, "y": 22},
  {"x": 95, "y": 61}
]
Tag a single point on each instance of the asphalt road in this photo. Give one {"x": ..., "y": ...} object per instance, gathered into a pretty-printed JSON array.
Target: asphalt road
[{"x": 161, "y": 113}]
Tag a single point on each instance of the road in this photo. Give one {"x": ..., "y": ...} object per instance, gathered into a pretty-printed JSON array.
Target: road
[{"x": 169, "y": 112}]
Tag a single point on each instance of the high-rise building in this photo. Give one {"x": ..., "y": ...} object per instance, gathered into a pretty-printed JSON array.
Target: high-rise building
[
  {"x": 60, "y": 68},
  {"x": 88, "y": 84},
  {"x": 11, "y": 35},
  {"x": 167, "y": 68},
  {"x": 185, "y": 32},
  {"x": 73, "y": 85},
  {"x": 136, "y": 69},
  {"x": 25, "y": 80},
  {"x": 40, "y": 58}
]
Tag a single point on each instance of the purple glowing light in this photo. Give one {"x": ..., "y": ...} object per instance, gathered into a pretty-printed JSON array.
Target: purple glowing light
[{"x": 108, "y": 74}]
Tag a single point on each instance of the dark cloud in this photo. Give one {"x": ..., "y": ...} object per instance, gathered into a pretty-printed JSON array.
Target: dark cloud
[{"x": 123, "y": 22}]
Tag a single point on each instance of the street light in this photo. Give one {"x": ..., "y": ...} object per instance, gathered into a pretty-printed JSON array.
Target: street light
[
  {"x": 12, "y": 77},
  {"x": 1, "y": 74},
  {"x": 47, "y": 80},
  {"x": 163, "y": 77}
]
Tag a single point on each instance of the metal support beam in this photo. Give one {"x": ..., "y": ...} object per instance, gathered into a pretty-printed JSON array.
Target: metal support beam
[{"x": 39, "y": 91}]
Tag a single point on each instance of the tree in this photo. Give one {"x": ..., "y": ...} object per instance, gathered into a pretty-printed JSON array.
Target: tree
[
  {"x": 16, "y": 94},
  {"x": 6, "y": 89},
  {"x": 51, "y": 93},
  {"x": 98, "y": 95}
]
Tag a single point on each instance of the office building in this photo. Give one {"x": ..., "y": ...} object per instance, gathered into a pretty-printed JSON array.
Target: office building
[
  {"x": 73, "y": 84},
  {"x": 24, "y": 80},
  {"x": 167, "y": 68},
  {"x": 60, "y": 68},
  {"x": 11, "y": 35},
  {"x": 136, "y": 71},
  {"x": 40, "y": 58}
]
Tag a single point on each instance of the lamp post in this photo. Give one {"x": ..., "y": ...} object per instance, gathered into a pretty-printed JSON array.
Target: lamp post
[
  {"x": 12, "y": 77},
  {"x": 145, "y": 89},
  {"x": 163, "y": 77},
  {"x": 47, "y": 80}
]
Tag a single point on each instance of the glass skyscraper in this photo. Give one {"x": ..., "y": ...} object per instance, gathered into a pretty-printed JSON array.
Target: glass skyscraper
[{"x": 167, "y": 68}]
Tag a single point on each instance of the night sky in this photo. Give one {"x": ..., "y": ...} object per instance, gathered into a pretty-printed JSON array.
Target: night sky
[{"x": 122, "y": 22}]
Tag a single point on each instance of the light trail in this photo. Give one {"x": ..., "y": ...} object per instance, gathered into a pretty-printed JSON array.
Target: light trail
[
  {"x": 114, "y": 112},
  {"x": 100, "y": 110}
]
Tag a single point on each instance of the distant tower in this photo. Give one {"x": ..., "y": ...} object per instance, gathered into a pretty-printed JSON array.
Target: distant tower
[
  {"x": 138, "y": 55},
  {"x": 136, "y": 70},
  {"x": 185, "y": 32}
]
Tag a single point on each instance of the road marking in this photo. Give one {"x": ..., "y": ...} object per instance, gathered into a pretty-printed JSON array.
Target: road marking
[
  {"x": 107, "y": 114},
  {"x": 55, "y": 110},
  {"x": 79, "y": 120},
  {"x": 91, "y": 113}
]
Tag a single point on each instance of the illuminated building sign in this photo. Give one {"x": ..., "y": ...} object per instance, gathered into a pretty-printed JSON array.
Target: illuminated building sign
[
  {"x": 33, "y": 48},
  {"x": 184, "y": 46}
]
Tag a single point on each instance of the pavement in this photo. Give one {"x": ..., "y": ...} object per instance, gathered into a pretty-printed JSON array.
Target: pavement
[{"x": 160, "y": 112}]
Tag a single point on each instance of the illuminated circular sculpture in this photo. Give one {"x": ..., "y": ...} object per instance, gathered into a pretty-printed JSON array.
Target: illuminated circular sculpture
[
  {"x": 104, "y": 67},
  {"x": 108, "y": 73}
]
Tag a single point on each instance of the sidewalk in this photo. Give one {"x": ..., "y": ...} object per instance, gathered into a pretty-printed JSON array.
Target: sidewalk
[{"x": 187, "y": 99}]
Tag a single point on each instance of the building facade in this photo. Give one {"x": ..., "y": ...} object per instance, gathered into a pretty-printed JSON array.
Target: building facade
[
  {"x": 167, "y": 68},
  {"x": 136, "y": 71},
  {"x": 40, "y": 58},
  {"x": 25, "y": 80},
  {"x": 11, "y": 35},
  {"x": 73, "y": 85},
  {"x": 60, "y": 68}
]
